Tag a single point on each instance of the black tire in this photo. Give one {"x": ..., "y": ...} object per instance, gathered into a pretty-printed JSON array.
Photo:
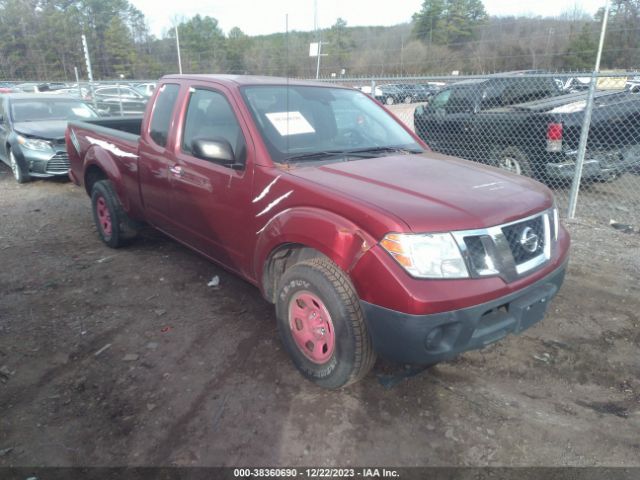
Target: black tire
[
  {"x": 122, "y": 228},
  {"x": 514, "y": 161},
  {"x": 18, "y": 172},
  {"x": 353, "y": 355}
]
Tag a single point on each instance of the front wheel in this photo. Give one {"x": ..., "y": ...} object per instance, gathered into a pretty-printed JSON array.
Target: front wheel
[
  {"x": 18, "y": 172},
  {"x": 408, "y": 99},
  {"x": 321, "y": 324},
  {"x": 115, "y": 228},
  {"x": 389, "y": 101}
]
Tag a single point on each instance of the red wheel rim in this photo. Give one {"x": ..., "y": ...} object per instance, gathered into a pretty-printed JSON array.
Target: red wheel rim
[
  {"x": 104, "y": 217},
  {"x": 311, "y": 327}
]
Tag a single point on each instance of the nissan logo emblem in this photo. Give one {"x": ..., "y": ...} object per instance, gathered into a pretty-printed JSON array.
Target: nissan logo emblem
[{"x": 529, "y": 241}]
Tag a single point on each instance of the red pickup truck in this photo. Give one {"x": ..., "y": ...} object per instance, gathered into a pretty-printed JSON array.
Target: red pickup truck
[{"x": 366, "y": 241}]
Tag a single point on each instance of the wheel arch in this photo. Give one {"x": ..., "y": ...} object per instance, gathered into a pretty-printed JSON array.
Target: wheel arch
[
  {"x": 99, "y": 165},
  {"x": 288, "y": 239}
]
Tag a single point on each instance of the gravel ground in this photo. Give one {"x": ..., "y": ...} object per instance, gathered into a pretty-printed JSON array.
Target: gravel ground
[{"x": 127, "y": 357}]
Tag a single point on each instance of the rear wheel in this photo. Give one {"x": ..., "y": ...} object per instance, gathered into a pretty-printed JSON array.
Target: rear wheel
[
  {"x": 18, "y": 172},
  {"x": 408, "y": 99},
  {"x": 115, "y": 228},
  {"x": 389, "y": 101},
  {"x": 322, "y": 325},
  {"x": 514, "y": 161}
]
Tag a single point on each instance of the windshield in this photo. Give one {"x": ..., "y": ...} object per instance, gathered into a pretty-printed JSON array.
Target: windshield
[
  {"x": 300, "y": 122},
  {"x": 32, "y": 110}
]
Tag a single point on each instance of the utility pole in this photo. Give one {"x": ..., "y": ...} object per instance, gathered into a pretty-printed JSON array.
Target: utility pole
[
  {"x": 87, "y": 60},
  {"x": 315, "y": 28},
  {"x": 178, "y": 48},
  {"x": 318, "y": 64}
]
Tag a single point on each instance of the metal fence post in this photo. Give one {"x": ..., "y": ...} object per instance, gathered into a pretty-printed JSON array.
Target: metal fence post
[
  {"x": 582, "y": 148},
  {"x": 120, "y": 100},
  {"x": 586, "y": 123}
]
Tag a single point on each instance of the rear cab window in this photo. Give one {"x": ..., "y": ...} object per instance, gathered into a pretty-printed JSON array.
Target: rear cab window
[{"x": 162, "y": 113}]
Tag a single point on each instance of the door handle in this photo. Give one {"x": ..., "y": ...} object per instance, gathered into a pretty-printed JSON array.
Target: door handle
[{"x": 177, "y": 170}]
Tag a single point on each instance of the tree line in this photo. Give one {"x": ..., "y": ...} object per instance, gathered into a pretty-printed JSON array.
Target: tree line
[{"x": 41, "y": 40}]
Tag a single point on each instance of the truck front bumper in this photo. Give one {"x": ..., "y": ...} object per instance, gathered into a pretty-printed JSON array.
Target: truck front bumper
[{"x": 429, "y": 339}]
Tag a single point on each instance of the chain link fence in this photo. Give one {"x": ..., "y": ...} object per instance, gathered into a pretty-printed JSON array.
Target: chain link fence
[{"x": 577, "y": 133}]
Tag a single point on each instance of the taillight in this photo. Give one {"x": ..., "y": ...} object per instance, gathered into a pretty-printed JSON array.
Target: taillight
[{"x": 554, "y": 137}]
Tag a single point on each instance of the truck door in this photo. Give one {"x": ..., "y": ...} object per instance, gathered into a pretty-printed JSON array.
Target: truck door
[
  {"x": 156, "y": 158},
  {"x": 210, "y": 200},
  {"x": 447, "y": 119}
]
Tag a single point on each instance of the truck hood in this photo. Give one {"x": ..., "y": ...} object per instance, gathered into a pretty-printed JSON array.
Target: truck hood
[
  {"x": 46, "y": 129},
  {"x": 432, "y": 192}
]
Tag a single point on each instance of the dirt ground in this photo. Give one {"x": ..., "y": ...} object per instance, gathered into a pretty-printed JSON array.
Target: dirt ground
[{"x": 128, "y": 358}]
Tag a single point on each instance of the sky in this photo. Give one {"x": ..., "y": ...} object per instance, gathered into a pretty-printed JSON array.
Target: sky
[{"x": 255, "y": 17}]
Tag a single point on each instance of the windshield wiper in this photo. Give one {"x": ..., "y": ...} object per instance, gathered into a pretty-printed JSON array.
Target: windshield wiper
[
  {"x": 360, "y": 153},
  {"x": 406, "y": 151},
  {"x": 322, "y": 154}
]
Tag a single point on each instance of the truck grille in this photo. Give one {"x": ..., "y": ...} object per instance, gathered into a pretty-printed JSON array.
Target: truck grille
[
  {"x": 479, "y": 255},
  {"x": 58, "y": 164},
  {"x": 509, "y": 250},
  {"x": 521, "y": 250}
]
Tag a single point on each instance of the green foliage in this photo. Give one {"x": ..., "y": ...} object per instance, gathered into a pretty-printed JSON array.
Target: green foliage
[
  {"x": 117, "y": 44},
  {"x": 449, "y": 22},
  {"x": 237, "y": 44},
  {"x": 340, "y": 45},
  {"x": 202, "y": 45},
  {"x": 41, "y": 40},
  {"x": 581, "y": 52},
  {"x": 622, "y": 42}
]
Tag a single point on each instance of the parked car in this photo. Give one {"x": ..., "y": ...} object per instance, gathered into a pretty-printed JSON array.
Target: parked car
[
  {"x": 366, "y": 242},
  {"x": 117, "y": 100},
  {"x": 32, "y": 130},
  {"x": 633, "y": 87},
  {"x": 31, "y": 87},
  {"x": 527, "y": 126},
  {"x": 39, "y": 87},
  {"x": 146, "y": 89},
  {"x": 82, "y": 92},
  {"x": 576, "y": 84},
  {"x": 7, "y": 88},
  {"x": 390, "y": 94},
  {"x": 414, "y": 92}
]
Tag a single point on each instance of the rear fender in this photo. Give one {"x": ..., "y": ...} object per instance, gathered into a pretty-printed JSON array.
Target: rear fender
[
  {"x": 334, "y": 236},
  {"x": 98, "y": 157}
]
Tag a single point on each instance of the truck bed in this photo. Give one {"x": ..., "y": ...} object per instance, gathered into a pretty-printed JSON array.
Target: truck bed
[{"x": 126, "y": 128}]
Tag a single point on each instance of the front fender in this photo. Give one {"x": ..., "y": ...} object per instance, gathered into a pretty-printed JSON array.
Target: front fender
[
  {"x": 12, "y": 140},
  {"x": 338, "y": 238},
  {"x": 98, "y": 157}
]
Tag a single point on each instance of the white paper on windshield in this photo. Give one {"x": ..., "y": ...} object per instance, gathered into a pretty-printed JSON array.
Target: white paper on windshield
[
  {"x": 81, "y": 112},
  {"x": 290, "y": 123}
]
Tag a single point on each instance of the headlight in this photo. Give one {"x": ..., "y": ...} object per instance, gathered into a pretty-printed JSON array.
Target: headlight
[
  {"x": 426, "y": 255},
  {"x": 34, "y": 144}
]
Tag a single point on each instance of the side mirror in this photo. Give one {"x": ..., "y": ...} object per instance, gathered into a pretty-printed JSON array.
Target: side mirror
[{"x": 218, "y": 151}]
